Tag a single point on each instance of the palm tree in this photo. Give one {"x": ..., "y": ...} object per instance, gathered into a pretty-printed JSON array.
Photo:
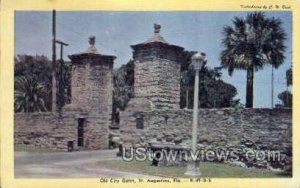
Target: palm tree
[
  {"x": 250, "y": 44},
  {"x": 29, "y": 95}
]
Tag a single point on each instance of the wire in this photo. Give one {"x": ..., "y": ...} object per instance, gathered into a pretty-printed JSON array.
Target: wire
[
  {"x": 70, "y": 30},
  {"x": 58, "y": 23}
]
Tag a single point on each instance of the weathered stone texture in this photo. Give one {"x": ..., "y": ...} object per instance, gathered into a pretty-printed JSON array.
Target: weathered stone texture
[
  {"x": 158, "y": 81},
  {"x": 97, "y": 131},
  {"x": 92, "y": 84},
  {"x": 128, "y": 118},
  {"x": 239, "y": 129},
  {"x": 157, "y": 73},
  {"x": 53, "y": 131},
  {"x": 43, "y": 130},
  {"x": 85, "y": 121}
]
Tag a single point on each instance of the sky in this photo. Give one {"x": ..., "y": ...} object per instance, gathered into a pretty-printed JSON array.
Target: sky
[{"x": 116, "y": 31}]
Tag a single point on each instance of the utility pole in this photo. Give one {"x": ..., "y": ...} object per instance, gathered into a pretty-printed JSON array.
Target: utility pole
[
  {"x": 62, "y": 44},
  {"x": 272, "y": 89},
  {"x": 61, "y": 88},
  {"x": 53, "y": 61}
]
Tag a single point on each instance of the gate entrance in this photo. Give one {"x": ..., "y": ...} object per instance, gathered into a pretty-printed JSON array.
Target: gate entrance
[{"x": 80, "y": 135}]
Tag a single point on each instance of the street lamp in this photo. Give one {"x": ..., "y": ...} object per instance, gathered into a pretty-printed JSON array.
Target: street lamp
[{"x": 193, "y": 168}]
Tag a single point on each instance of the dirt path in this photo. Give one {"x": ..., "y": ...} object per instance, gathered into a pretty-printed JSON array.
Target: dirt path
[{"x": 67, "y": 165}]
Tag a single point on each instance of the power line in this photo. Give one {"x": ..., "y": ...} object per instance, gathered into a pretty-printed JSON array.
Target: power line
[
  {"x": 62, "y": 25},
  {"x": 70, "y": 30}
]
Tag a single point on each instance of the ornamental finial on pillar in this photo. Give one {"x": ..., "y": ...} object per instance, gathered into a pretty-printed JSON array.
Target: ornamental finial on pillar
[
  {"x": 92, "y": 40},
  {"x": 157, "y": 27},
  {"x": 92, "y": 48}
]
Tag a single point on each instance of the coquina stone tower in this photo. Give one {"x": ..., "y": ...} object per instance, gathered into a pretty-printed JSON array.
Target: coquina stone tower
[
  {"x": 157, "y": 65},
  {"x": 157, "y": 71},
  {"x": 91, "y": 103}
]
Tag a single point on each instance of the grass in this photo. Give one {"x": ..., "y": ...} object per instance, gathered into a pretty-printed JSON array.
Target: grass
[
  {"x": 28, "y": 148},
  {"x": 208, "y": 169}
]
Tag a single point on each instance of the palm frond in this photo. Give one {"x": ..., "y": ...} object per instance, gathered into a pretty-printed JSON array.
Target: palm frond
[{"x": 254, "y": 41}]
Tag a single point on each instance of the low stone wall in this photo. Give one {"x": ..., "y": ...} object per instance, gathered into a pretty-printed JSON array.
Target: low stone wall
[
  {"x": 234, "y": 129},
  {"x": 34, "y": 129},
  {"x": 46, "y": 130},
  {"x": 54, "y": 131},
  {"x": 238, "y": 130}
]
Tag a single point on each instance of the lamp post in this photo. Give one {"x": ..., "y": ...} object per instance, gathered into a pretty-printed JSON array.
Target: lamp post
[{"x": 193, "y": 169}]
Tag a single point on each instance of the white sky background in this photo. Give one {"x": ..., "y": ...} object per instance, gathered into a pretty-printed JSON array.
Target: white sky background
[{"x": 116, "y": 31}]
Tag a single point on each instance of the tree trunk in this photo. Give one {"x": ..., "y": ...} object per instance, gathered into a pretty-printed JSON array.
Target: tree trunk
[{"x": 249, "y": 89}]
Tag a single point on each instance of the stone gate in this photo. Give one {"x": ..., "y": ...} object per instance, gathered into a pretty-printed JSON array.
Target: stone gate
[
  {"x": 157, "y": 65},
  {"x": 84, "y": 123}
]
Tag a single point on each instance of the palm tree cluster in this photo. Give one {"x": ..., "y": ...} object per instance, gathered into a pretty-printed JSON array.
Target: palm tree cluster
[
  {"x": 250, "y": 44},
  {"x": 33, "y": 83},
  {"x": 29, "y": 95}
]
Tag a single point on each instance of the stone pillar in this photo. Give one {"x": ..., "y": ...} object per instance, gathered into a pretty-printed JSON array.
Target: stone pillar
[
  {"x": 157, "y": 71},
  {"x": 157, "y": 67},
  {"x": 91, "y": 87}
]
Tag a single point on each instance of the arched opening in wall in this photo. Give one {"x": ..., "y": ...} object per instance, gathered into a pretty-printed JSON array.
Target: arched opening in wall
[{"x": 80, "y": 132}]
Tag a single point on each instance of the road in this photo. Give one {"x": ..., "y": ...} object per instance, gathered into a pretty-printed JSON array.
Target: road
[{"x": 67, "y": 165}]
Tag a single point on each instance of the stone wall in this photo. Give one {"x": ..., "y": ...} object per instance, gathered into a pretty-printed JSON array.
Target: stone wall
[
  {"x": 54, "y": 131},
  {"x": 241, "y": 129},
  {"x": 45, "y": 130}
]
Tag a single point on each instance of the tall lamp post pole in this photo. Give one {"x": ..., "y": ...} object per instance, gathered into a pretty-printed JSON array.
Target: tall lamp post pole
[
  {"x": 193, "y": 168},
  {"x": 53, "y": 61}
]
